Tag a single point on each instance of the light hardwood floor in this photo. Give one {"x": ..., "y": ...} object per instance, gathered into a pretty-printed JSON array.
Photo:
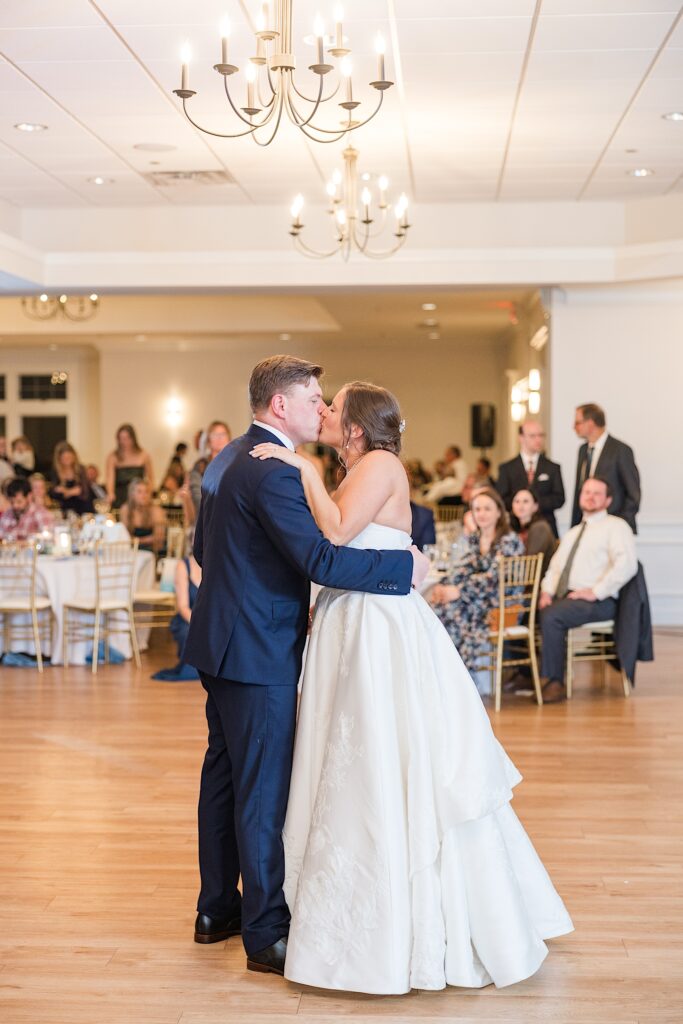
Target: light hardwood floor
[{"x": 98, "y": 874}]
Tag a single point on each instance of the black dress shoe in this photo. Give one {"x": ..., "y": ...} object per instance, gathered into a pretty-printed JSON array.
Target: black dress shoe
[
  {"x": 208, "y": 929},
  {"x": 270, "y": 960}
]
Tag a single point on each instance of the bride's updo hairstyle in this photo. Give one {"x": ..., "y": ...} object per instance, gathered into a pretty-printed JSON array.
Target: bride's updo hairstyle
[{"x": 376, "y": 412}]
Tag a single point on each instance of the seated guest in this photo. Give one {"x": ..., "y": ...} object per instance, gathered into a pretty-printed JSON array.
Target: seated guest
[
  {"x": 448, "y": 491},
  {"x": 39, "y": 491},
  {"x": 475, "y": 481},
  {"x": 143, "y": 519},
  {"x": 22, "y": 457},
  {"x": 466, "y": 597},
  {"x": 22, "y": 519},
  {"x": 99, "y": 491},
  {"x": 529, "y": 523},
  {"x": 6, "y": 469},
  {"x": 423, "y": 530},
  {"x": 70, "y": 488},
  {"x": 593, "y": 562},
  {"x": 418, "y": 476},
  {"x": 188, "y": 576}
]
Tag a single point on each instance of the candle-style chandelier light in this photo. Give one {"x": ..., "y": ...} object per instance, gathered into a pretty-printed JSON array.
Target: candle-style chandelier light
[
  {"x": 73, "y": 307},
  {"x": 271, "y": 89},
  {"x": 353, "y": 225}
]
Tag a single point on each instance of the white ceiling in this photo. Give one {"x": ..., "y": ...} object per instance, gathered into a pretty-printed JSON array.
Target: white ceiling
[{"x": 506, "y": 99}]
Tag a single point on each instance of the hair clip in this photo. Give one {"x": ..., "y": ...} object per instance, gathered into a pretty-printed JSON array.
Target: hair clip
[{"x": 401, "y": 426}]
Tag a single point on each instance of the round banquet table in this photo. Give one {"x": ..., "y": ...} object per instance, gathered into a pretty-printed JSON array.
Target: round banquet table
[{"x": 64, "y": 579}]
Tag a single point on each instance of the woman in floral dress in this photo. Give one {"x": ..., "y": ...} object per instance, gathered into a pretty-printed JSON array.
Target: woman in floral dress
[{"x": 463, "y": 601}]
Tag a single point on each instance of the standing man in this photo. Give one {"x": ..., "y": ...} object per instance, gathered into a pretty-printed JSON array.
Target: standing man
[
  {"x": 531, "y": 468},
  {"x": 603, "y": 455},
  {"x": 258, "y": 546}
]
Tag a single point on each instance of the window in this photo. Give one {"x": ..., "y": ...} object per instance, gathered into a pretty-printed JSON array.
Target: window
[
  {"x": 43, "y": 386},
  {"x": 2, "y": 387}
]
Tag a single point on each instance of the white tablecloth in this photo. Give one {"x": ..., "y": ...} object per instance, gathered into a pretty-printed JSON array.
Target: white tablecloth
[{"x": 64, "y": 579}]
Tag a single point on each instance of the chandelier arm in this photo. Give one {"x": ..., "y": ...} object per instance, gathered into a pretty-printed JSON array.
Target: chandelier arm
[
  {"x": 220, "y": 135},
  {"x": 280, "y": 107},
  {"x": 245, "y": 120},
  {"x": 353, "y": 127},
  {"x": 321, "y": 142},
  {"x": 388, "y": 252},
  {"x": 313, "y": 253},
  {"x": 294, "y": 113},
  {"x": 324, "y": 99},
  {"x": 273, "y": 92}
]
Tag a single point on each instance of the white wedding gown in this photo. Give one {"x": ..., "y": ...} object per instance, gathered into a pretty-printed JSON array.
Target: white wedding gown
[{"x": 406, "y": 867}]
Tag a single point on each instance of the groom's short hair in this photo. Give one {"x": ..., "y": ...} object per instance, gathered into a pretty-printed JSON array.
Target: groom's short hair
[{"x": 277, "y": 375}]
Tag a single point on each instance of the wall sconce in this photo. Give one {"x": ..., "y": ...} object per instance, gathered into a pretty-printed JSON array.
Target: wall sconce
[
  {"x": 534, "y": 380},
  {"x": 517, "y": 412},
  {"x": 174, "y": 412}
]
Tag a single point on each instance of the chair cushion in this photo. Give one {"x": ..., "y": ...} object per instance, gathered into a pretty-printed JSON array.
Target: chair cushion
[
  {"x": 596, "y": 627},
  {"x": 154, "y": 596},
  {"x": 110, "y": 605},
  {"x": 23, "y": 604}
]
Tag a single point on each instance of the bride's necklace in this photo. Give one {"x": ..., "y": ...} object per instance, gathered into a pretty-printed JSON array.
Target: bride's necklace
[{"x": 354, "y": 464}]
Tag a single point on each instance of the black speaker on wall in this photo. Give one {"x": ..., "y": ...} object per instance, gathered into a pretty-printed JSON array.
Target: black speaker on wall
[{"x": 483, "y": 425}]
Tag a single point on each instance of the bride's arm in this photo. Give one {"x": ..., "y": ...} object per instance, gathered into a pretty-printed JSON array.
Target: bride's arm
[{"x": 365, "y": 491}]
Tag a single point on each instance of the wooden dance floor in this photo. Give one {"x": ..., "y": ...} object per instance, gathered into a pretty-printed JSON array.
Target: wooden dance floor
[{"x": 98, "y": 878}]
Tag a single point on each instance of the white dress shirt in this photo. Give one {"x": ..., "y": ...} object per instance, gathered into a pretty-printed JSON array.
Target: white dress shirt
[
  {"x": 597, "y": 452},
  {"x": 451, "y": 485},
  {"x": 604, "y": 561},
  {"x": 530, "y": 461},
  {"x": 278, "y": 433}
]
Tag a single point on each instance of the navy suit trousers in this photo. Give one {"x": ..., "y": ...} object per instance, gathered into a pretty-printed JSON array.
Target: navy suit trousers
[
  {"x": 561, "y": 616},
  {"x": 242, "y": 806}
]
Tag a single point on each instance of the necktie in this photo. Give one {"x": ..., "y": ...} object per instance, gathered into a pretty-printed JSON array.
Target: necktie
[
  {"x": 563, "y": 582},
  {"x": 530, "y": 472}
]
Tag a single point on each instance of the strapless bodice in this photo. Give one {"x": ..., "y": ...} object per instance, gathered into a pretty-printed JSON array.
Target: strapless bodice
[{"x": 385, "y": 538}]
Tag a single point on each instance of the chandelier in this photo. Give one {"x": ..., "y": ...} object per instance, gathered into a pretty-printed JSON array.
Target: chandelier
[
  {"x": 271, "y": 89},
  {"x": 353, "y": 229},
  {"x": 73, "y": 307}
]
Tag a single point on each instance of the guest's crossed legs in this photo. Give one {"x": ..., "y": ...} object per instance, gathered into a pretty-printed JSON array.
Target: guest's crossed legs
[{"x": 560, "y": 616}]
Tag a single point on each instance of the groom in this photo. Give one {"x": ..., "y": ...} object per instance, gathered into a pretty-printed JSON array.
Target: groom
[{"x": 258, "y": 546}]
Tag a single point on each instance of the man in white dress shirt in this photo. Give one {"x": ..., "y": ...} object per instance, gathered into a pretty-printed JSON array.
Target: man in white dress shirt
[{"x": 593, "y": 562}]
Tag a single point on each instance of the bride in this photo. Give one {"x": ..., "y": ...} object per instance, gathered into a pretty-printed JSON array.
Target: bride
[{"x": 406, "y": 867}]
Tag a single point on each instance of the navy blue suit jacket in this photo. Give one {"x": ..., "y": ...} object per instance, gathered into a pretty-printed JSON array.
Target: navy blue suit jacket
[
  {"x": 423, "y": 529},
  {"x": 259, "y": 546}
]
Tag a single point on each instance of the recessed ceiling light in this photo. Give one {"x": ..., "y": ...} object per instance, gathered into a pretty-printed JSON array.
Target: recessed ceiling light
[
  {"x": 428, "y": 306},
  {"x": 430, "y": 322},
  {"x": 641, "y": 172},
  {"x": 98, "y": 180},
  {"x": 27, "y": 126},
  {"x": 154, "y": 147},
  {"x": 285, "y": 337},
  {"x": 675, "y": 115},
  {"x": 433, "y": 335}
]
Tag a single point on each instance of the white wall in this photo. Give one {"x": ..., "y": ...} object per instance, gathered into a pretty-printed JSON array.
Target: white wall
[
  {"x": 435, "y": 386},
  {"x": 622, "y": 347}
]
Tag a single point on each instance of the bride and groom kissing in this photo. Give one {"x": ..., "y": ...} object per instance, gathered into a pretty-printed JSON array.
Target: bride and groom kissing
[{"x": 378, "y": 852}]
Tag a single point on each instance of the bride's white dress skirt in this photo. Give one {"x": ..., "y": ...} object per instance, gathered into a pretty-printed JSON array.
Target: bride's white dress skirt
[{"x": 406, "y": 867}]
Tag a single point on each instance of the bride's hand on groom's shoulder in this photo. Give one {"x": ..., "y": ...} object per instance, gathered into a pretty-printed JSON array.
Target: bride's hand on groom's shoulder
[{"x": 267, "y": 450}]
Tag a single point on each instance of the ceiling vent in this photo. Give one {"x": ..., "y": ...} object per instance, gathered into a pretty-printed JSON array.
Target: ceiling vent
[{"x": 171, "y": 179}]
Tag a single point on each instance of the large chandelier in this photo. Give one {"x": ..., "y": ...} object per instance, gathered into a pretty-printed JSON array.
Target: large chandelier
[
  {"x": 271, "y": 89},
  {"x": 73, "y": 307},
  {"x": 353, "y": 225}
]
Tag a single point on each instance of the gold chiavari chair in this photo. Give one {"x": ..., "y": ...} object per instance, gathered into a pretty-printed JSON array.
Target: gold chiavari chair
[
  {"x": 593, "y": 642},
  {"x": 512, "y": 633},
  {"x": 111, "y": 609},
  {"x": 448, "y": 513},
  {"x": 156, "y": 607},
  {"x": 18, "y": 600}
]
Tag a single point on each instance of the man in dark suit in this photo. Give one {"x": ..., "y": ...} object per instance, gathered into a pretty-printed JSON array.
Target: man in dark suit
[
  {"x": 532, "y": 469},
  {"x": 259, "y": 546},
  {"x": 603, "y": 455}
]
